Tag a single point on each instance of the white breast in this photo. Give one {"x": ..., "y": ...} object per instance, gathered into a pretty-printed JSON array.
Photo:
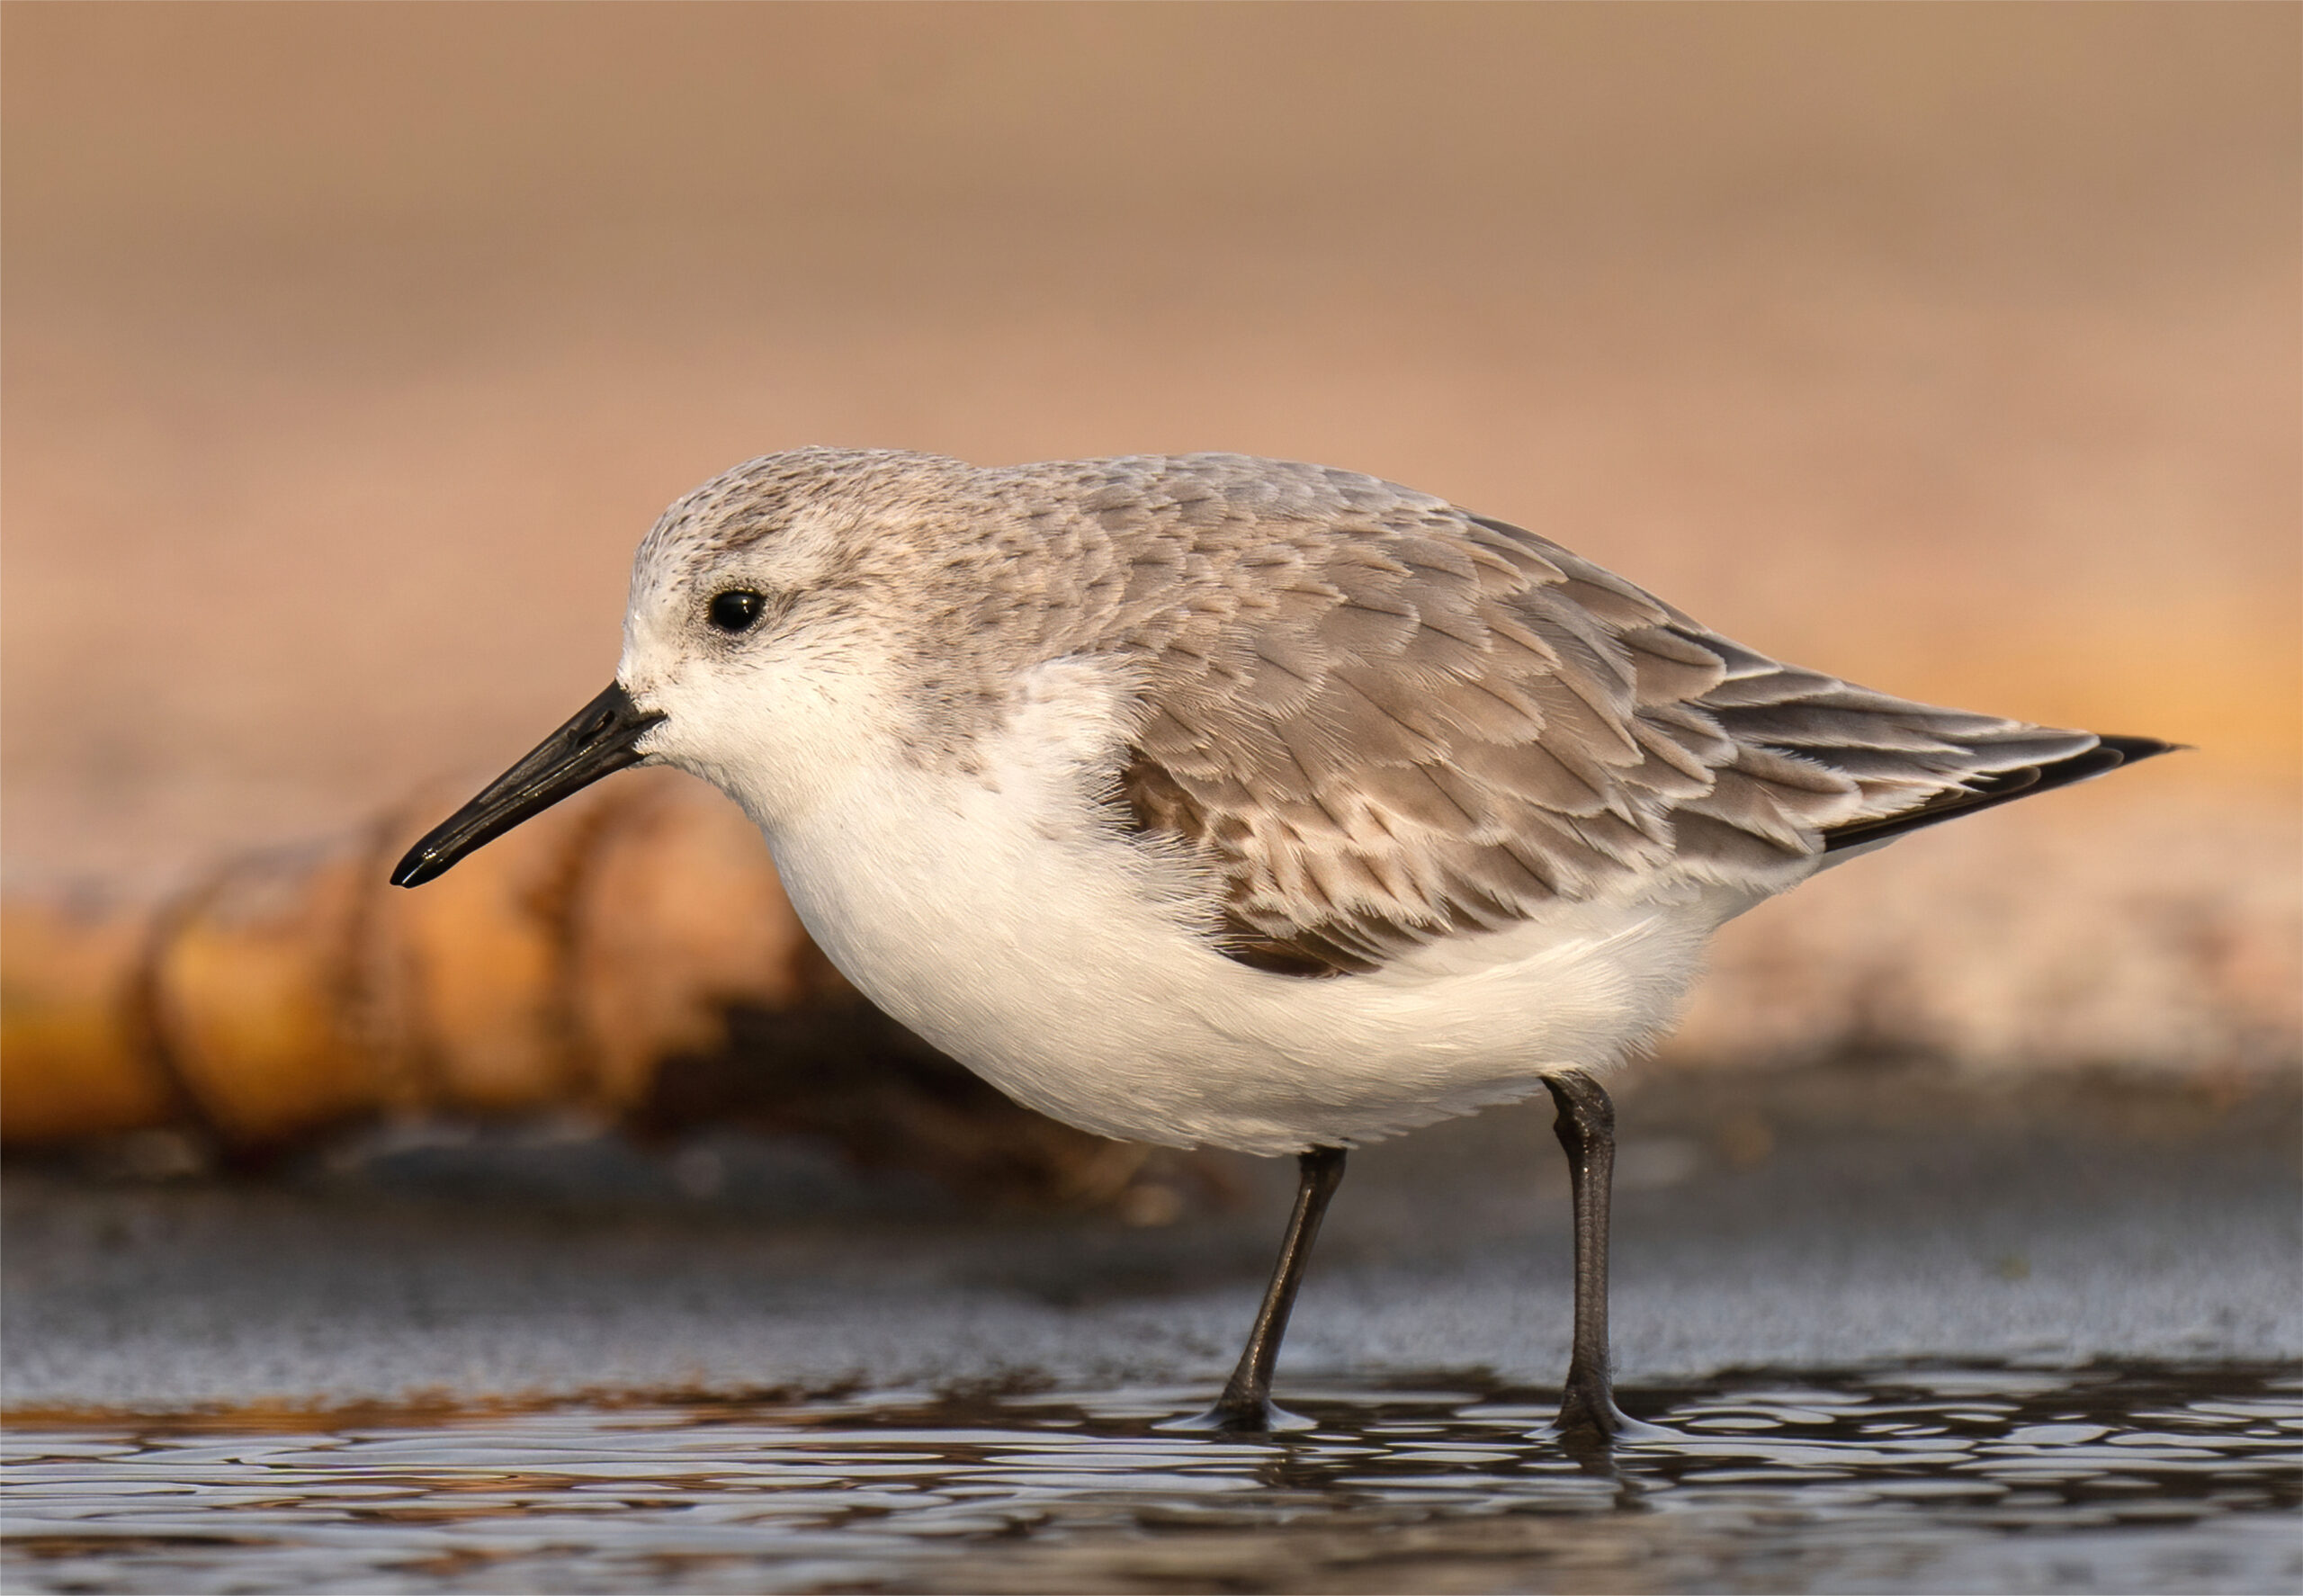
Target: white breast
[{"x": 1006, "y": 920}]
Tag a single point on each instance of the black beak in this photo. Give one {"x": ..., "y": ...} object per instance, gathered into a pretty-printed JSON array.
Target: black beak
[{"x": 598, "y": 741}]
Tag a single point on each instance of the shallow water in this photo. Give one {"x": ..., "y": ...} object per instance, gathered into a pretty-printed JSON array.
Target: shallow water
[{"x": 1908, "y": 1478}]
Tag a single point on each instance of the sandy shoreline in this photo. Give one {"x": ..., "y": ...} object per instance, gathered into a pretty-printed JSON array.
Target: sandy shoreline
[{"x": 1846, "y": 1219}]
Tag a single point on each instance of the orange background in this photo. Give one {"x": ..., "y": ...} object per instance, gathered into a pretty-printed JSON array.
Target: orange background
[{"x": 349, "y": 349}]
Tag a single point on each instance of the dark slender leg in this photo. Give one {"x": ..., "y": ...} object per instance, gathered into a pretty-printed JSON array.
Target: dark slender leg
[
  {"x": 1586, "y": 1127},
  {"x": 1246, "y": 1403}
]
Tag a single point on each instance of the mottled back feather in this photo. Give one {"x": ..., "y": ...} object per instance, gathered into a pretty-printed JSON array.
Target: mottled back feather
[{"x": 1380, "y": 720}]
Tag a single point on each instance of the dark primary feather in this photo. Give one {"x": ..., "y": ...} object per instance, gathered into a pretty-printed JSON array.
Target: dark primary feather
[{"x": 2109, "y": 753}]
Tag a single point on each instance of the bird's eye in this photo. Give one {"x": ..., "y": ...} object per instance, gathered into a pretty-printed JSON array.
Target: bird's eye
[{"x": 736, "y": 609}]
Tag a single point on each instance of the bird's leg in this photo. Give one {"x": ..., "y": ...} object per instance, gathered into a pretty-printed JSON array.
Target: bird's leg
[
  {"x": 1246, "y": 1403},
  {"x": 1586, "y": 1127}
]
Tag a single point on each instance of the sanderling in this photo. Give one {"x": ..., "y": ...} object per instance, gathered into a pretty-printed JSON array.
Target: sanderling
[{"x": 1204, "y": 800}]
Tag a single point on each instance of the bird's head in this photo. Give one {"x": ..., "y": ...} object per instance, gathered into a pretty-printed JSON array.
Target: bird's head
[{"x": 787, "y": 619}]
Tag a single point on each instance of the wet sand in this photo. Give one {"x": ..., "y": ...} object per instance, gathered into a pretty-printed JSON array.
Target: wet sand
[
  {"x": 1899, "y": 1332},
  {"x": 1831, "y": 1220}
]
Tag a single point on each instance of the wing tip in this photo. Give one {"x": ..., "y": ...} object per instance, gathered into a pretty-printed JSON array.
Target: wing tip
[
  {"x": 2111, "y": 750},
  {"x": 2132, "y": 749}
]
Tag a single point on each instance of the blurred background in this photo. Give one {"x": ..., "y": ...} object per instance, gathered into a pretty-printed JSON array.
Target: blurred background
[{"x": 1956, "y": 350}]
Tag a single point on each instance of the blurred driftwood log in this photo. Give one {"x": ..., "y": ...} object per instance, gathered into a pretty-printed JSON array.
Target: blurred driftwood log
[{"x": 630, "y": 955}]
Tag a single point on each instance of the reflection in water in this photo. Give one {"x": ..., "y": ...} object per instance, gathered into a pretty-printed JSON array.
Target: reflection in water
[{"x": 1984, "y": 1479}]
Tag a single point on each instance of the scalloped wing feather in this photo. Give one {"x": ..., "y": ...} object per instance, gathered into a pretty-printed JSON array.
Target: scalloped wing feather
[{"x": 1381, "y": 721}]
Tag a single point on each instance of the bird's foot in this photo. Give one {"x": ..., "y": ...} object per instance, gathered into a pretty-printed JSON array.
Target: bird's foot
[
  {"x": 1252, "y": 1416},
  {"x": 1589, "y": 1420}
]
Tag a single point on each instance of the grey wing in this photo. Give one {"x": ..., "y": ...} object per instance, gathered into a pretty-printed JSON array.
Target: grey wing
[{"x": 1418, "y": 722}]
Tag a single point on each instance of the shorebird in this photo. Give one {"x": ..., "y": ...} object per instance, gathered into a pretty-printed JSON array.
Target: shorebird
[{"x": 1206, "y": 800}]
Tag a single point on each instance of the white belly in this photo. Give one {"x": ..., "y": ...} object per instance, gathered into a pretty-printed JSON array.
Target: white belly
[{"x": 1002, "y": 919}]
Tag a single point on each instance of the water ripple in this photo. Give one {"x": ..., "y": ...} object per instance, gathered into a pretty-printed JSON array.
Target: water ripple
[{"x": 2095, "y": 1479}]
